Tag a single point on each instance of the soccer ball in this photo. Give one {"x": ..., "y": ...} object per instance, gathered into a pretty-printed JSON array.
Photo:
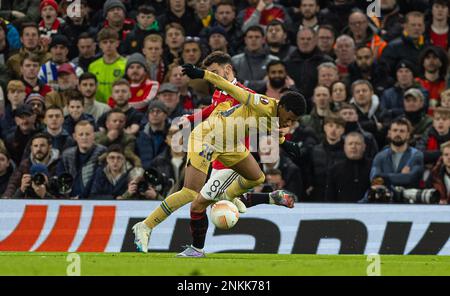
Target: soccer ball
[{"x": 224, "y": 214}]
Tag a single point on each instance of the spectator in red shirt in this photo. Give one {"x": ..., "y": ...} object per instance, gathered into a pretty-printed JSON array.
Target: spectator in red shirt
[
  {"x": 262, "y": 12},
  {"x": 433, "y": 69},
  {"x": 143, "y": 90},
  {"x": 438, "y": 29}
]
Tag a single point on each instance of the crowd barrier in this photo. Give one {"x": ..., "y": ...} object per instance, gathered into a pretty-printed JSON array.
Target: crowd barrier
[{"x": 105, "y": 226}]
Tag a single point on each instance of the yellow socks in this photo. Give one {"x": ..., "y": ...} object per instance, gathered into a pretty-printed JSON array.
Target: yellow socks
[
  {"x": 241, "y": 186},
  {"x": 172, "y": 203}
]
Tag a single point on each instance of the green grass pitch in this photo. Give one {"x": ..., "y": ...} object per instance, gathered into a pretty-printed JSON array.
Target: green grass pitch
[{"x": 166, "y": 264}]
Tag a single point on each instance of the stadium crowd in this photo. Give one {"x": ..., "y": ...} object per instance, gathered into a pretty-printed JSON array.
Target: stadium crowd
[{"x": 89, "y": 94}]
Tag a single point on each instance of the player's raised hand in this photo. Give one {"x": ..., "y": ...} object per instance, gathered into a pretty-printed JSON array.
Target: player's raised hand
[{"x": 193, "y": 72}]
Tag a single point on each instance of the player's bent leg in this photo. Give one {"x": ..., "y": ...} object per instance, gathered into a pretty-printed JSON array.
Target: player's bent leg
[
  {"x": 194, "y": 180},
  {"x": 199, "y": 227},
  {"x": 250, "y": 176}
]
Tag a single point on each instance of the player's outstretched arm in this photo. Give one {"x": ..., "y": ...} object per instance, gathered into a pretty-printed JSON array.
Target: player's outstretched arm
[{"x": 236, "y": 92}]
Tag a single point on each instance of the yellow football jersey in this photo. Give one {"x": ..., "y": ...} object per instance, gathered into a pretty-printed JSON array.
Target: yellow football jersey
[{"x": 229, "y": 125}]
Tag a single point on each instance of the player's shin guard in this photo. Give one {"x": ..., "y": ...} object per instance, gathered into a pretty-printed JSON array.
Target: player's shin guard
[
  {"x": 172, "y": 203},
  {"x": 241, "y": 186},
  {"x": 252, "y": 199},
  {"x": 199, "y": 227}
]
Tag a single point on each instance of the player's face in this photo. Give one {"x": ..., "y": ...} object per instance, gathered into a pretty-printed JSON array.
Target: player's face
[
  {"x": 224, "y": 71},
  {"x": 287, "y": 118}
]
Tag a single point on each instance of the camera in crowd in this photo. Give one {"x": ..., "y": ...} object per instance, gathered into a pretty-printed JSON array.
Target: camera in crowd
[
  {"x": 380, "y": 193},
  {"x": 158, "y": 181},
  {"x": 416, "y": 196},
  {"x": 61, "y": 185},
  {"x": 38, "y": 179}
]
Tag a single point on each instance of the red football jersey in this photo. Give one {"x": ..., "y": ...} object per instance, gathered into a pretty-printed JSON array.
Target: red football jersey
[{"x": 217, "y": 98}]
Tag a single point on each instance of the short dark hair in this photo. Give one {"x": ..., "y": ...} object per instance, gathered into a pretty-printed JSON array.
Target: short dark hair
[
  {"x": 106, "y": 34},
  {"x": 362, "y": 81},
  {"x": 73, "y": 95},
  {"x": 28, "y": 25},
  {"x": 86, "y": 35},
  {"x": 121, "y": 81},
  {"x": 54, "y": 107},
  {"x": 293, "y": 101},
  {"x": 30, "y": 56},
  {"x": 363, "y": 46},
  {"x": 227, "y": 3},
  {"x": 218, "y": 57},
  {"x": 274, "y": 63},
  {"x": 255, "y": 28},
  {"x": 146, "y": 9},
  {"x": 334, "y": 119},
  {"x": 345, "y": 105},
  {"x": 41, "y": 136},
  {"x": 441, "y": 2},
  {"x": 402, "y": 120},
  {"x": 114, "y": 110},
  {"x": 273, "y": 172},
  {"x": 87, "y": 76},
  {"x": 329, "y": 28}
]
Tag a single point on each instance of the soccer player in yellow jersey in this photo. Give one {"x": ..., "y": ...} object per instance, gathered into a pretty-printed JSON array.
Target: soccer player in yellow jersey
[{"x": 210, "y": 141}]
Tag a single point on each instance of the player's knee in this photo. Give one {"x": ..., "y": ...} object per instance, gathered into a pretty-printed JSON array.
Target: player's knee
[
  {"x": 199, "y": 204},
  {"x": 254, "y": 183}
]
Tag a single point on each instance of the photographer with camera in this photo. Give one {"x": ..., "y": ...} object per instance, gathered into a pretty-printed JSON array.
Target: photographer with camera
[
  {"x": 147, "y": 185},
  {"x": 111, "y": 177},
  {"x": 42, "y": 151},
  {"x": 34, "y": 185}
]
